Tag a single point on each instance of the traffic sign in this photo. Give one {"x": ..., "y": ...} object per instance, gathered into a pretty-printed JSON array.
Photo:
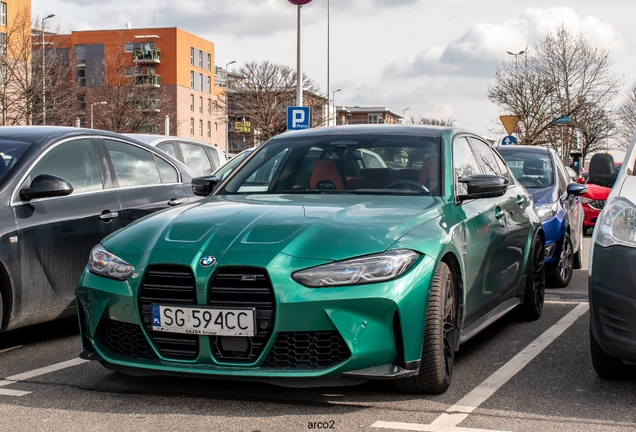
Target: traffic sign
[
  {"x": 509, "y": 122},
  {"x": 298, "y": 117},
  {"x": 509, "y": 140}
]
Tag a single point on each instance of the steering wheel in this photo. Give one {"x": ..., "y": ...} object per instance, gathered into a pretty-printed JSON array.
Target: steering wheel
[
  {"x": 533, "y": 182},
  {"x": 413, "y": 185}
]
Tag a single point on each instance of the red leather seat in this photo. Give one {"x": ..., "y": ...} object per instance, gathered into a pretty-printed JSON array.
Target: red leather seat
[
  {"x": 428, "y": 172},
  {"x": 326, "y": 175}
]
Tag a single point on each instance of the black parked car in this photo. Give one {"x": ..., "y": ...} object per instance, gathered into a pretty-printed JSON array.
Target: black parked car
[{"x": 62, "y": 190}]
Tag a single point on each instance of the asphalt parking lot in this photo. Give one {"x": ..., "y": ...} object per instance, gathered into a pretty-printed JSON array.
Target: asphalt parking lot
[{"x": 515, "y": 376}]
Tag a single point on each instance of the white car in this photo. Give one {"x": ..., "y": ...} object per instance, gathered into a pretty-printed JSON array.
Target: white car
[
  {"x": 612, "y": 271},
  {"x": 200, "y": 157}
]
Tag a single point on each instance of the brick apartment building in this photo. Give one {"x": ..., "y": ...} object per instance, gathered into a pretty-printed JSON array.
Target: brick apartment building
[
  {"x": 157, "y": 72},
  {"x": 366, "y": 115}
]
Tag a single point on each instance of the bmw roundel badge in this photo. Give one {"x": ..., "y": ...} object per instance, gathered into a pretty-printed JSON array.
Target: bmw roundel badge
[{"x": 208, "y": 261}]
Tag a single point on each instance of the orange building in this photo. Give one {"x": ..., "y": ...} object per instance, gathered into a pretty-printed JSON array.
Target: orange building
[
  {"x": 178, "y": 65},
  {"x": 15, "y": 17}
]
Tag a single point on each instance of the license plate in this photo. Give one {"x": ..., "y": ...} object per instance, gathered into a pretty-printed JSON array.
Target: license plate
[{"x": 203, "y": 321}]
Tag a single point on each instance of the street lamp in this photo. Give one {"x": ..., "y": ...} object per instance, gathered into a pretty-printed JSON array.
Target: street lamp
[
  {"x": 92, "y": 105},
  {"x": 335, "y": 109},
  {"x": 299, "y": 56},
  {"x": 44, "y": 70},
  {"x": 404, "y": 111},
  {"x": 516, "y": 55},
  {"x": 227, "y": 107}
]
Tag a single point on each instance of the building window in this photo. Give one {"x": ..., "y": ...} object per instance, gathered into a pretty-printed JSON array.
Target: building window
[
  {"x": 209, "y": 86},
  {"x": 192, "y": 126},
  {"x": 201, "y": 128},
  {"x": 201, "y": 105},
  {"x": 191, "y": 79},
  {"x": 209, "y": 65},
  {"x": 3, "y": 44},
  {"x": 209, "y": 129},
  {"x": 215, "y": 105},
  {"x": 3, "y": 13},
  {"x": 216, "y": 127},
  {"x": 201, "y": 59},
  {"x": 201, "y": 82},
  {"x": 191, "y": 103},
  {"x": 209, "y": 107},
  {"x": 192, "y": 56}
]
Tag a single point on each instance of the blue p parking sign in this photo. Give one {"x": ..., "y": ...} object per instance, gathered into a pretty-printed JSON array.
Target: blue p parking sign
[{"x": 298, "y": 117}]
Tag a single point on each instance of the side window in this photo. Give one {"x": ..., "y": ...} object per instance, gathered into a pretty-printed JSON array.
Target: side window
[
  {"x": 215, "y": 158},
  {"x": 562, "y": 177},
  {"x": 74, "y": 161},
  {"x": 168, "y": 173},
  {"x": 196, "y": 158},
  {"x": 134, "y": 166},
  {"x": 168, "y": 148},
  {"x": 503, "y": 168},
  {"x": 464, "y": 164},
  {"x": 487, "y": 158}
]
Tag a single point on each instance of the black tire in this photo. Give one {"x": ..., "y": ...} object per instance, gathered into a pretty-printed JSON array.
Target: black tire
[
  {"x": 440, "y": 333},
  {"x": 577, "y": 262},
  {"x": 607, "y": 366},
  {"x": 534, "y": 294},
  {"x": 563, "y": 274},
  {"x": 1, "y": 312}
]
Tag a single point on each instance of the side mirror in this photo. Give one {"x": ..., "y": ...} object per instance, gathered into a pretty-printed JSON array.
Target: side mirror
[
  {"x": 204, "y": 186},
  {"x": 602, "y": 171},
  {"x": 576, "y": 189},
  {"x": 46, "y": 186},
  {"x": 484, "y": 186}
]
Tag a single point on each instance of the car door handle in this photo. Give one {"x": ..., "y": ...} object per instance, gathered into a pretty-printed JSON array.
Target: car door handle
[
  {"x": 108, "y": 216},
  {"x": 499, "y": 213},
  {"x": 175, "y": 202},
  {"x": 521, "y": 201}
]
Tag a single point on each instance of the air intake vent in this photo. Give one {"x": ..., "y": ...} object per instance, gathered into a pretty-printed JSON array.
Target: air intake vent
[
  {"x": 307, "y": 350},
  {"x": 126, "y": 340},
  {"x": 243, "y": 287},
  {"x": 174, "y": 285}
]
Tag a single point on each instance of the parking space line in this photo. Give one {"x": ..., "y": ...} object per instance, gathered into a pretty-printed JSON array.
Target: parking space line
[
  {"x": 35, "y": 373},
  {"x": 460, "y": 411}
]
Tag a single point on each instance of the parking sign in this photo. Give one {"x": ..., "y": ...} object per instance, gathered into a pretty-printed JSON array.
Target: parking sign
[{"x": 298, "y": 117}]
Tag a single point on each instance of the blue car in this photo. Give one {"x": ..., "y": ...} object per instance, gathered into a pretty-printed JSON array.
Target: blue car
[{"x": 557, "y": 203}]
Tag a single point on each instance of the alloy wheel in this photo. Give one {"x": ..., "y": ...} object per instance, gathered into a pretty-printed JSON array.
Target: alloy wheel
[
  {"x": 565, "y": 261},
  {"x": 449, "y": 327},
  {"x": 538, "y": 273}
]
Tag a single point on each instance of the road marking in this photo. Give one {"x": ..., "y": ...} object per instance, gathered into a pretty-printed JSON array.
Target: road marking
[
  {"x": 460, "y": 411},
  {"x": 35, "y": 373}
]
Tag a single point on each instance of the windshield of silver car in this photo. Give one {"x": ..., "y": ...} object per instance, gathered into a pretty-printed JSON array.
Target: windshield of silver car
[{"x": 361, "y": 164}]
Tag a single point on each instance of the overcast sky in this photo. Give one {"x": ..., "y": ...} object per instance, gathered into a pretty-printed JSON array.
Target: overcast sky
[{"x": 434, "y": 57}]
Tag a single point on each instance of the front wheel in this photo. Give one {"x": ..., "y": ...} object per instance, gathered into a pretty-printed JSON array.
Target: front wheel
[
  {"x": 440, "y": 333},
  {"x": 563, "y": 275},
  {"x": 534, "y": 294}
]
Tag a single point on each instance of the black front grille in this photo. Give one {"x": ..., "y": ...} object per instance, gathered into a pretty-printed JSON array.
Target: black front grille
[
  {"x": 169, "y": 285},
  {"x": 244, "y": 287},
  {"x": 307, "y": 350},
  {"x": 126, "y": 340}
]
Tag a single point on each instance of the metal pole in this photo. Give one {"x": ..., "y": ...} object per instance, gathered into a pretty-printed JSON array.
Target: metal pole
[
  {"x": 335, "y": 109},
  {"x": 167, "y": 126},
  {"x": 403, "y": 113},
  {"x": 299, "y": 66},
  {"x": 328, "y": 71},
  {"x": 227, "y": 107},
  {"x": 44, "y": 70},
  {"x": 92, "y": 106},
  {"x": 78, "y": 122}
]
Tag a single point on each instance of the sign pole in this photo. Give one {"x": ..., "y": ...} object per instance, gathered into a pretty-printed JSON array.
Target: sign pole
[{"x": 299, "y": 55}]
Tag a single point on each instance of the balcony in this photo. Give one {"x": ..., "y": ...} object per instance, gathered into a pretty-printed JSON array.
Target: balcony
[
  {"x": 152, "y": 56},
  {"x": 148, "y": 79},
  {"x": 147, "y": 105}
]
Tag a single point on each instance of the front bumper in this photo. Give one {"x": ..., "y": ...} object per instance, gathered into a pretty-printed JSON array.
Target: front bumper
[
  {"x": 554, "y": 230},
  {"x": 612, "y": 293},
  {"x": 591, "y": 214},
  {"x": 357, "y": 332}
]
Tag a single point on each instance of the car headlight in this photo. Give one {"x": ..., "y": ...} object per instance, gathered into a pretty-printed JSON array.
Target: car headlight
[
  {"x": 546, "y": 211},
  {"x": 617, "y": 225},
  {"x": 104, "y": 263},
  {"x": 363, "y": 270}
]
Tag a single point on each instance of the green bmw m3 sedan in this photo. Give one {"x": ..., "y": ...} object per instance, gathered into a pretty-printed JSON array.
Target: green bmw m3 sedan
[{"x": 331, "y": 256}]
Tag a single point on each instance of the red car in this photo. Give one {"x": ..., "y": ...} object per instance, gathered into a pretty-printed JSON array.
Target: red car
[{"x": 594, "y": 200}]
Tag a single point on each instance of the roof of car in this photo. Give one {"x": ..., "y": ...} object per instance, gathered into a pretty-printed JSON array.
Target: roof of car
[
  {"x": 156, "y": 139},
  {"x": 399, "y": 129},
  {"x": 522, "y": 148},
  {"x": 47, "y": 133}
]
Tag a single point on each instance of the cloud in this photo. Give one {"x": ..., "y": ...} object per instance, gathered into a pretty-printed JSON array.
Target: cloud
[{"x": 483, "y": 46}]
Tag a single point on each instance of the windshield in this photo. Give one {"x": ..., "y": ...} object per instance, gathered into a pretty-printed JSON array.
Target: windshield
[
  {"x": 365, "y": 164},
  {"x": 229, "y": 166},
  {"x": 11, "y": 151},
  {"x": 532, "y": 170}
]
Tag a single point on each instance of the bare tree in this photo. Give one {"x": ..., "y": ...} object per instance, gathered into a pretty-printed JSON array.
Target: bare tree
[
  {"x": 564, "y": 76},
  {"x": 430, "y": 121},
  {"x": 130, "y": 97},
  {"x": 261, "y": 93},
  {"x": 626, "y": 119}
]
